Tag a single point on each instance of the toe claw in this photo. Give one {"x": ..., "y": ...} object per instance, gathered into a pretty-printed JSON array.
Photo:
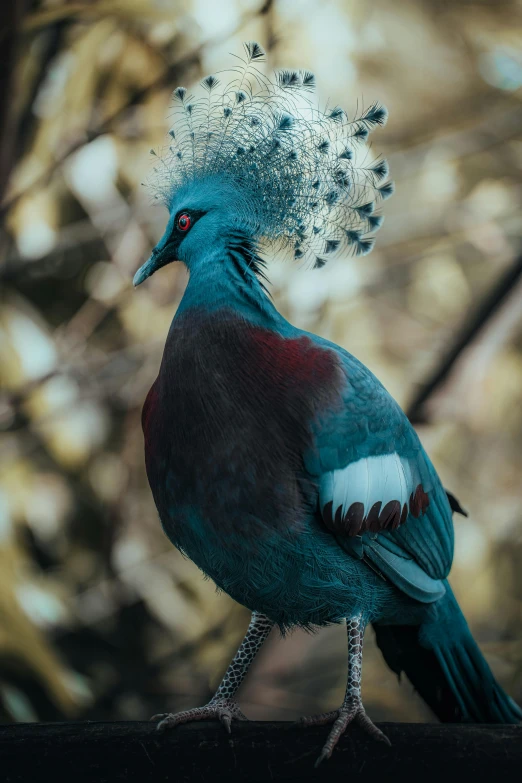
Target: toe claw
[
  {"x": 383, "y": 738},
  {"x": 226, "y": 720},
  {"x": 351, "y": 711},
  {"x": 321, "y": 719},
  {"x": 224, "y": 710},
  {"x": 322, "y": 756},
  {"x": 170, "y": 721},
  {"x": 370, "y": 728}
]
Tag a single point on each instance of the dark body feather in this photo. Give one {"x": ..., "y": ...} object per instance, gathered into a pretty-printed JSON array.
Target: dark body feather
[
  {"x": 226, "y": 424},
  {"x": 228, "y": 415}
]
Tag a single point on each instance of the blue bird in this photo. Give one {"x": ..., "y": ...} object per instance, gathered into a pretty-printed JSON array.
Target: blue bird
[{"x": 278, "y": 463}]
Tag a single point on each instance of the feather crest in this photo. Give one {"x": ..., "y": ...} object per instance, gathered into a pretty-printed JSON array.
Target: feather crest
[
  {"x": 297, "y": 166},
  {"x": 254, "y": 51}
]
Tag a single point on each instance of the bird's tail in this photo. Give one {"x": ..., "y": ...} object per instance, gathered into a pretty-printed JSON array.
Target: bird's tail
[{"x": 444, "y": 664}]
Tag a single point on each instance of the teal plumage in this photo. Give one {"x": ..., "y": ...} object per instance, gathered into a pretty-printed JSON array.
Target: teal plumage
[{"x": 278, "y": 463}]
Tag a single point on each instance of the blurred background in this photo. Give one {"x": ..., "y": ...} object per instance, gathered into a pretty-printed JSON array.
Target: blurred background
[{"x": 100, "y": 617}]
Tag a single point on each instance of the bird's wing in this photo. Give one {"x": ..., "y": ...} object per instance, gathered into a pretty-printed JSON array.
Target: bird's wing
[{"x": 379, "y": 494}]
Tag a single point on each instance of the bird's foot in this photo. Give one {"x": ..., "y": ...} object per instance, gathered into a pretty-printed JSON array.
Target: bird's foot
[
  {"x": 224, "y": 710},
  {"x": 351, "y": 711}
]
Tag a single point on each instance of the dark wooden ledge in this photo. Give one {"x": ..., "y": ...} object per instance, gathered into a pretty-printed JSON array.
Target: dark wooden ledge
[{"x": 110, "y": 752}]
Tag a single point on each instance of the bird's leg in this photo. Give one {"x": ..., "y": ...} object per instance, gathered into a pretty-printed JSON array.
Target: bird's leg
[
  {"x": 352, "y": 708},
  {"x": 221, "y": 705}
]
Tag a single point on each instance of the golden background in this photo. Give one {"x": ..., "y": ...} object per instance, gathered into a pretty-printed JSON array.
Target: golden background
[{"x": 100, "y": 617}]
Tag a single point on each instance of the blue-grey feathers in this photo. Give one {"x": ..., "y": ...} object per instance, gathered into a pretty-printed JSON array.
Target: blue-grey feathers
[{"x": 296, "y": 165}]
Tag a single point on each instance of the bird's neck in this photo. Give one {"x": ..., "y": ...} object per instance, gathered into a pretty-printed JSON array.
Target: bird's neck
[{"x": 222, "y": 279}]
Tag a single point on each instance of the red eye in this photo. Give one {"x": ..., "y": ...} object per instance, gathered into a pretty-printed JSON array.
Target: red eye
[{"x": 184, "y": 222}]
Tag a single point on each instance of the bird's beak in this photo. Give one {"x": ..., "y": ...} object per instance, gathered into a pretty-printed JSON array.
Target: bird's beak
[
  {"x": 145, "y": 271},
  {"x": 157, "y": 259}
]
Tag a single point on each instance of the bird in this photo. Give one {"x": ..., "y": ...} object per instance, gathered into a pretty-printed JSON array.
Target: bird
[{"x": 278, "y": 463}]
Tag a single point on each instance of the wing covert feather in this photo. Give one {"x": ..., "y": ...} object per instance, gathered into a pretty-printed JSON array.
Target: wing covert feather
[{"x": 376, "y": 482}]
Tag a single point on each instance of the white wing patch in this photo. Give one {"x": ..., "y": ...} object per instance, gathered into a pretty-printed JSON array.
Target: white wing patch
[{"x": 374, "y": 493}]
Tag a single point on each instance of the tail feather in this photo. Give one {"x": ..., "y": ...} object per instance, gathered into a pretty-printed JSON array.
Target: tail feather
[{"x": 444, "y": 664}]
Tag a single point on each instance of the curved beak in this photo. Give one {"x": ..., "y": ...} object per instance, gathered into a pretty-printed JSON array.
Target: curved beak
[
  {"x": 145, "y": 270},
  {"x": 158, "y": 258}
]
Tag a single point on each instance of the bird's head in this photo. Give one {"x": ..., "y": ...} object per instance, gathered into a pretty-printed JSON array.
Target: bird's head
[
  {"x": 256, "y": 160},
  {"x": 210, "y": 212}
]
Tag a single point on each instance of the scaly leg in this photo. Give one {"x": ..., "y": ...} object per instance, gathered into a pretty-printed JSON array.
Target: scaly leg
[
  {"x": 352, "y": 708},
  {"x": 221, "y": 705}
]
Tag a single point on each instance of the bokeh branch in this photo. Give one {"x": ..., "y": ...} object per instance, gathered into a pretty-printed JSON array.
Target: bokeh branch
[
  {"x": 11, "y": 16},
  {"x": 169, "y": 77},
  {"x": 492, "y": 302}
]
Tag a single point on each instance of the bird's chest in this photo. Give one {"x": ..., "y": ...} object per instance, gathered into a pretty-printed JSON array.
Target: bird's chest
[{"x": 226, "y": 425}]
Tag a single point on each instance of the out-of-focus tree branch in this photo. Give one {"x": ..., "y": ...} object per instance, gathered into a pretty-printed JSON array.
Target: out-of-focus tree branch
[
  {"x": 491, "y": 303},
  {"x": 166, "y": 79},
  {"x": 11, "y": 16}
]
